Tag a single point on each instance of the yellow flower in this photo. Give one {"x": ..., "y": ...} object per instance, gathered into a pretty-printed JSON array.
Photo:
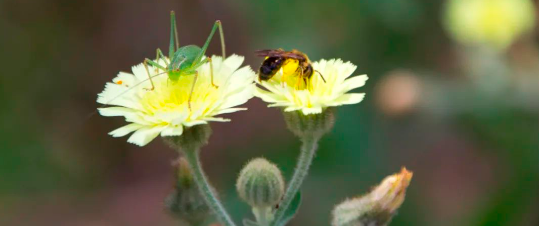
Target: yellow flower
[
  {"x": 496, "y": 23},
  {"x": 165, "y": 110},
  {"x": 318, "y": 94}
]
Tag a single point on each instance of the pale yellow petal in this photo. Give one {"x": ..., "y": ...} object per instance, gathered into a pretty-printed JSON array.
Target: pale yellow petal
[
  {"x": 350, "y": 98},
  {"x": 354, "y": 82},
  {"x": 115, "y": 111},
  {"x": 124, "y": 130},
  {"x": 144, "y": 135},
  {"x": 172, "y": 131}
]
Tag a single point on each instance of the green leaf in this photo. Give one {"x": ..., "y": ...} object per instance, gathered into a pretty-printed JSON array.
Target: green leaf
[
  {"x": 247, "y": 222},
  {"x": 291, "y": 211}
]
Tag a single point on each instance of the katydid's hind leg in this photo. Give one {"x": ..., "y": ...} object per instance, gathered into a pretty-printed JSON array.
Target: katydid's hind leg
[
  {"x": 207, "y": 43},
  {"x": 148, "y": 72},
  {"x": 222, "y": 37},
  {"x": 192, "y": 90},
  {"x": 211, "y": 73},
  {"x": 173, "y": 35},
  {"x": 176, "y": 35}
]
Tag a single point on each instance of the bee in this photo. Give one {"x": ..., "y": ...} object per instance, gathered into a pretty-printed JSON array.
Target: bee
[{"x": 292, "y": 62}]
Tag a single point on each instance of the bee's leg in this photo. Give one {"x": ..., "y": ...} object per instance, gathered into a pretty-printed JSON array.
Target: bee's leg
[
  {"x": 296, "y": 86},
  {"x": 300, "y": 75},
  {"x": 192, "y": 90},
  {"x": 211, "y": 73}
]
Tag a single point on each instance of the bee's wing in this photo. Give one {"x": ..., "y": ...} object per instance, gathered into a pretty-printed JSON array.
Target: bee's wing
[
  {"x": 266, "y": 52},
  {"x": 279, "y": 53},
  {"x": 292, "y": 55}
]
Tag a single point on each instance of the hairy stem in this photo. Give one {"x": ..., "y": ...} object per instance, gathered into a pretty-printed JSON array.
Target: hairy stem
[
  {"x": 205, "y": 189},
  {"x": 261, "y": 216},
  {"x": 308, "y": 150}
]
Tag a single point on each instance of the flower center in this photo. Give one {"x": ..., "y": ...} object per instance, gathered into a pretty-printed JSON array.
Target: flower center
[
  {"x": 290, "y": 74},
  {"x": 171, "y": 96}
]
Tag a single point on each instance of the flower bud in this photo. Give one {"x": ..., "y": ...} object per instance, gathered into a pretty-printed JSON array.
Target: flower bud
[
  {"x": 260, "y": 184},
  {"x": 377, "y": 207},
  {"x": 185, "y": 202},
  {"x": 314, "y": 125}
]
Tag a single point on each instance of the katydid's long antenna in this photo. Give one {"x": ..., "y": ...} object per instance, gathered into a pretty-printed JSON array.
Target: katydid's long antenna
[
  {"x": 172, "y": 27},
  {"x": 130, "y": 88},
  {"x": 90, "y": 115}
]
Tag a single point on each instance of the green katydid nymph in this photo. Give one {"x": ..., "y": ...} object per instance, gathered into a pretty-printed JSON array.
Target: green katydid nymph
[{"x": 185, "y": 60}]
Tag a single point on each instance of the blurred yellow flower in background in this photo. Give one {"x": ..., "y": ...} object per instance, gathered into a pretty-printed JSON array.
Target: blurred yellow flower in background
[{"x": 494, "y": 23}]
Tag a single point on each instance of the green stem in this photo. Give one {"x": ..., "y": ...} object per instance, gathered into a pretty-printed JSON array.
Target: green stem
[
  {"x": 263, "y": 220},
  {"x": 205, "y": 189},
  {"x": 308, "y": 150},
  {"x": 261, "y": 215}
]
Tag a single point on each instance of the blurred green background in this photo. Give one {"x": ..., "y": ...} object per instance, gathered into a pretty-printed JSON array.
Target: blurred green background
[{"x": 464, "y": 119}]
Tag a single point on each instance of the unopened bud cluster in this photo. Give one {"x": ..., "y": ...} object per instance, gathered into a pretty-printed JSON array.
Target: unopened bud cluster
[
  {"x": 185, "y": 202},
  {"x": 377, "y": 207},
  {"x": 260, "y": 184}
]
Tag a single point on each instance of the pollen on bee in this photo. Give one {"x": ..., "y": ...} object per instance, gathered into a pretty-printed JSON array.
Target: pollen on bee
[{"x": 290, "y": 66}]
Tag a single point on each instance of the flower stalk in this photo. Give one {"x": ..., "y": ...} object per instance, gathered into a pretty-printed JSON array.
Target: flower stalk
[
  {"x": 189, "y": 144},
  {"x": 263, "y": 215},
  {"x": 205, "y": 189},
  {"x": 309, "y": 128},
  {"x": 308, "y": 150}
]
